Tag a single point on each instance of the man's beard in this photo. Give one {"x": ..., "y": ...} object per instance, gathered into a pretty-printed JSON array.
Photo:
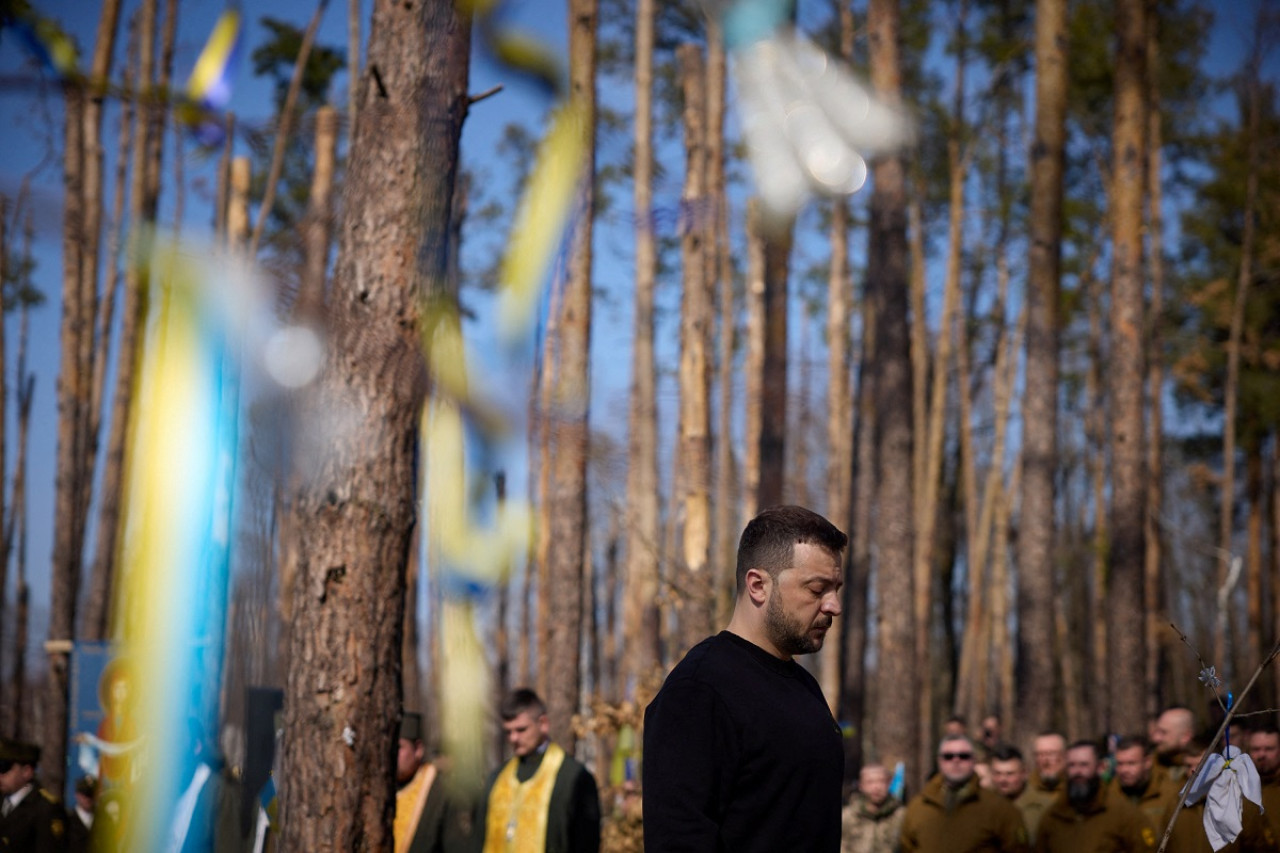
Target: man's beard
[
  {"x": 787, "y": 634},
  {"x": 1082, "y": 791}
]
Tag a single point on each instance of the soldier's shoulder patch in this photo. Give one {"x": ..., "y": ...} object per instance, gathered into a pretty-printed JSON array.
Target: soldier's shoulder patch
[
  {"x": 1149, "y": 837},
  {"x": 50, "y": 797}
]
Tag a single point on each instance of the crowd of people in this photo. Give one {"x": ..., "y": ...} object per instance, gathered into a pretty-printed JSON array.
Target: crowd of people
[
  {"x": 1089, "y": 795},
  {"x": 741, "y": 753},
  {"x": 541, "y": 799}
]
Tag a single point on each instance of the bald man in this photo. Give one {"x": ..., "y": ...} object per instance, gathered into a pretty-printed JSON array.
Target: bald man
[{"x": 1171, "y": 737}]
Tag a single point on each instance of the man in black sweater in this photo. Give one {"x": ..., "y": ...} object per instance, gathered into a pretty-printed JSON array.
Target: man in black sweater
[{"x": 741, "y": 752}]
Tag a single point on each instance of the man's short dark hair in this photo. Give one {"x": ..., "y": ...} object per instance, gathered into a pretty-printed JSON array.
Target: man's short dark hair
[
  {"x": 769, "y": 540},
  {"x": 1090, "y": 744},
  {"x": 1131, "y": 741},
  {"x": 1006, "y": 752},
  {"x": 519, "y": 701}
]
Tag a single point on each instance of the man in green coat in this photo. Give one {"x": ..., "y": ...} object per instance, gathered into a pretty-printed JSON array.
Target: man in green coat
[
  {"x": 954, "y": 815},
  {"x": 1089, "y": 817},
  {"x": 1139, "y": 778}
]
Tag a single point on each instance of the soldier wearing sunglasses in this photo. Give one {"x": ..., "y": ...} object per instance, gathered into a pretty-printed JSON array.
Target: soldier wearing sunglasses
[{"x": 953, "y": 814}]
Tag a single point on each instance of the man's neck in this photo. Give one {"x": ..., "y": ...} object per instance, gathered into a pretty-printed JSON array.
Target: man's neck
[
  {"x": 1137, "y": 789},
  {"x": 754, "y": 635}
]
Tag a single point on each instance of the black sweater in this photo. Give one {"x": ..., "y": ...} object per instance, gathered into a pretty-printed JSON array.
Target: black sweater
[{"x": 741, "y": 754}]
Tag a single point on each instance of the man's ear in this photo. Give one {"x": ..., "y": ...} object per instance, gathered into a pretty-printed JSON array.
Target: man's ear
[{"x": 758, "y": 583}]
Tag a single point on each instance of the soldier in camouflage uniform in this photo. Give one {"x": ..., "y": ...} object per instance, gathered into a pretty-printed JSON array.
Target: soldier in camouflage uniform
[{"x": 872, "y": 821}]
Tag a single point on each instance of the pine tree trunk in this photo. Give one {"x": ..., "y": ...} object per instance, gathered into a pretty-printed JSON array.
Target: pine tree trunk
[
  {"x": 1126, "y": 641},
  {"x": 773, "y": 369},
  {"x": 694, "y": 457},
  {"x": 94, "y": 345},
  {"x": 319, "y": 225},
  {"x": 1096, "y": 468},
  {"x": 94, "y": 623},
  {"x": 926, "y": 508},
  {"x": 69, "y": 483},
  {"x": 567, "y": 495},
  {"x": 1152, "y": 572},
  {"x": 17, "y": 523},
  {"x": 1254, "y": 648},
  {"x": 897, "y": 692},
  {"x": 355, "y": 71},
  {"x": 354, "y": 513},
  {"x": 1040, "y": 410},
  {"x": 753, "y": 365},
  {"x": 839, "y": 411},
  {"x": 1231, "y": 386},
  {"x": 856, "y": 681},
  {"x": 643, "y": 531},
  {"x": 725, "y": 522}
]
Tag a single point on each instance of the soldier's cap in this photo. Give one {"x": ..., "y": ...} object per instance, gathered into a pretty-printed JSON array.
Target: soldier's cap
[
  {"x": 19, "y": 752},
  {"x": 411, "y": 725},
  {"x": 86, "y": 785}
]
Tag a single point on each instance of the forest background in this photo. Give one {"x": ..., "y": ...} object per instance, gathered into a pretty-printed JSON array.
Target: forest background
[{"x": 1019, "y": 563}]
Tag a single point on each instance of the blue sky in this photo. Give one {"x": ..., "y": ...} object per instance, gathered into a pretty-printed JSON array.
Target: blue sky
[{"x": 31, "y": 115}]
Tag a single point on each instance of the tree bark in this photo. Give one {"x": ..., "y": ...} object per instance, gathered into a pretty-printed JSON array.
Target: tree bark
[
  {"x": 567, "y": 498},
  {"x": 17, "y": 531},
  {"x": 839, "y": 408},
  {"x": 753, "y": 365},
  {"x": 355, "y": 511},
  {"x": 725, "y": 521},
  {"x": 926, "y": 508},
  {"x": 1152, "y": 572},
  {"x": 69, "y": 483},
  {"x": 694, "y": 456},
  {"x": 1035, "y": 666},
  {"x": 1126, "y": 641},
  {"x": 1231, "y": 385},
  {"x": 94, "y": 344},
  {"x": 1095, "y": 431},
  {"x": 319, "y": 226},
  {"x": 773, "y": 370},
  {"x": 897, "y": 692},
  {"x": 643, "y": 530},
  {"x": 354, "y": 70},
  {"x": 95, "y": 622}
]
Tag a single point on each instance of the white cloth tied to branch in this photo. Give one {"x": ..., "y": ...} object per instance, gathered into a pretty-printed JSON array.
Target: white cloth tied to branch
[{"x": 1227, "y": 780}]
